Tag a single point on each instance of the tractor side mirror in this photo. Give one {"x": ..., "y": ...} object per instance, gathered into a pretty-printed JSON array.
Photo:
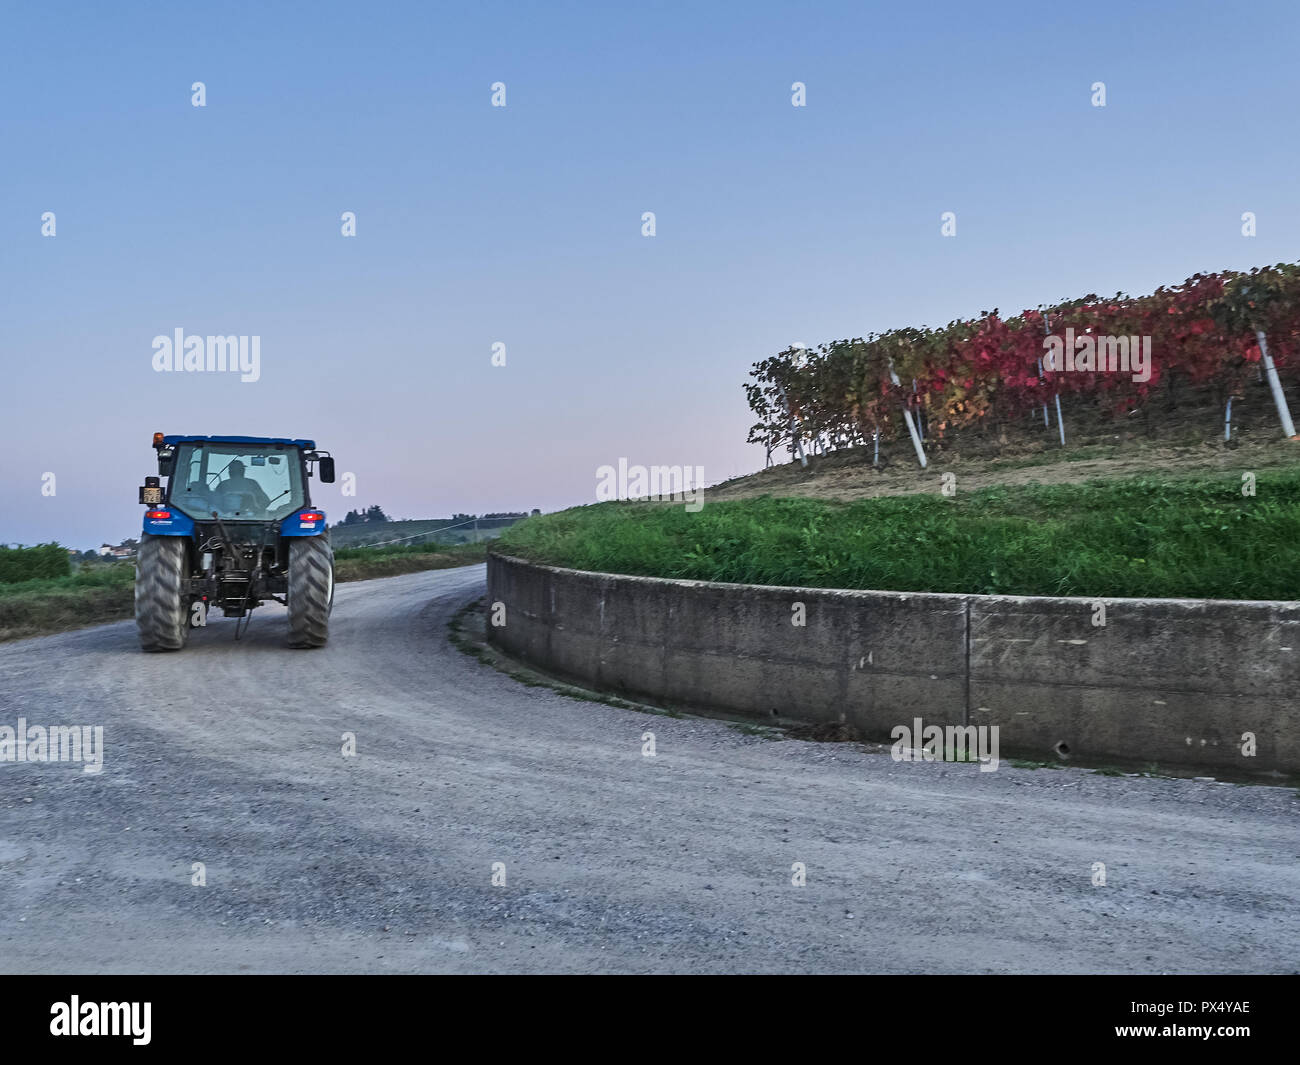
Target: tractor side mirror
[
  {"x": 166, "y": 462},
  {"x": 327, "y": 470}
]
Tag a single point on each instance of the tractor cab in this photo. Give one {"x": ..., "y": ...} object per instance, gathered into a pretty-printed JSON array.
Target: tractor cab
[{"x": 239, "y": 482}]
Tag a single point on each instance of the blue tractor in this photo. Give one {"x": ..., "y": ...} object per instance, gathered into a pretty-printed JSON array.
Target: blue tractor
[{"x": 233, "y": 527}]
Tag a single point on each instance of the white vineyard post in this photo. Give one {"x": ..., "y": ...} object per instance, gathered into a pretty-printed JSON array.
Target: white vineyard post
[
  {"x": 911, "y": 426},
  {"x": 794, "y": 433},
  {"x": 1279, "y": 397},
  {"x": 1046, "y": 422}
]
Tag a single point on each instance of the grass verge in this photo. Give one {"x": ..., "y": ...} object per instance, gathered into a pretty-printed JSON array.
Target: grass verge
[
  {"x": 361, "y": 564},
  {"x": 1164, "y": 537},
  {"x": 107, "y": 593}
]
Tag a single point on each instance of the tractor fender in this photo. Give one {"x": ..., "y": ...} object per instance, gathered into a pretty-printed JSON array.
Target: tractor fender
[
  {"x": 297, "y": 525},
  {"x": 174, "y": 524}
]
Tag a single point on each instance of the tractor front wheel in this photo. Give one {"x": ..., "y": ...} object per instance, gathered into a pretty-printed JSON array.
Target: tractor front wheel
[
  {"x": 160, "y": 603},
  {"x": 311, "y": 590}
]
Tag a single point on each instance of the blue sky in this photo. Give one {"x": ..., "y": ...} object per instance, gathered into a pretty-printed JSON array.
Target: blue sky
[{"x": 522, "y": 224}]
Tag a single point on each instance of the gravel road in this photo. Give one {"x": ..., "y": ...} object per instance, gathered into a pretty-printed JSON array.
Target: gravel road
[{"x": 230, "y": 754}]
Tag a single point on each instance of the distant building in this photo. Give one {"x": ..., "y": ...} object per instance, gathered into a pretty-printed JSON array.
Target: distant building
[{"x": 126, "y": 549}]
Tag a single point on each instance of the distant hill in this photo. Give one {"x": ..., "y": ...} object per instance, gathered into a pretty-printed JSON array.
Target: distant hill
[{"x": 460, "y": 530}]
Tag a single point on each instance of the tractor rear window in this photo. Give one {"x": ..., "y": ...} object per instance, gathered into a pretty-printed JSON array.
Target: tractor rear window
[{"x": 241, "y": 482}]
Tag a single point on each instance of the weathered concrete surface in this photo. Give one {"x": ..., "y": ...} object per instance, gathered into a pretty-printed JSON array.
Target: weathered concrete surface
[
  {"x": 1178, "y": 682},
  {"x": 1164, "y": 680}
]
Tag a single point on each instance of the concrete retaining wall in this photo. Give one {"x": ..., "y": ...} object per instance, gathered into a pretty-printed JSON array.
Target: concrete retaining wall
[{"x": 1172, "y": 681}]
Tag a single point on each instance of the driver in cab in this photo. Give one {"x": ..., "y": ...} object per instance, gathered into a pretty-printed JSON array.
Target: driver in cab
[{"x": 246, "y": 492}]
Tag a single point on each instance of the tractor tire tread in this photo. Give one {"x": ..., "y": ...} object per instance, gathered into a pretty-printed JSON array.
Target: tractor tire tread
[
  {"x": 160, "y": 606},
  {"x": 311, "y": 591}
]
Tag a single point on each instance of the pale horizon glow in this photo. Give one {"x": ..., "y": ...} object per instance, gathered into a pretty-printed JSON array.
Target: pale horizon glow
[{"x": 522, "y": 225}]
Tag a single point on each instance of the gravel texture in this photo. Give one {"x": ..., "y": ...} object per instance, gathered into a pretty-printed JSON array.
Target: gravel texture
[{"x": 230, "y": 754}]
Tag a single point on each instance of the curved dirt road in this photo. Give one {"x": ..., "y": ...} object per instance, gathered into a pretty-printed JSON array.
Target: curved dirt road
[{"x": 230, "y": 755}]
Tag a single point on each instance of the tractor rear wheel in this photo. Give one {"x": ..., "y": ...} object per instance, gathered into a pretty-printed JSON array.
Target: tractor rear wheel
[
  {"x": 160, "y": 603},
  {"x": 311, "y": 590}
]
